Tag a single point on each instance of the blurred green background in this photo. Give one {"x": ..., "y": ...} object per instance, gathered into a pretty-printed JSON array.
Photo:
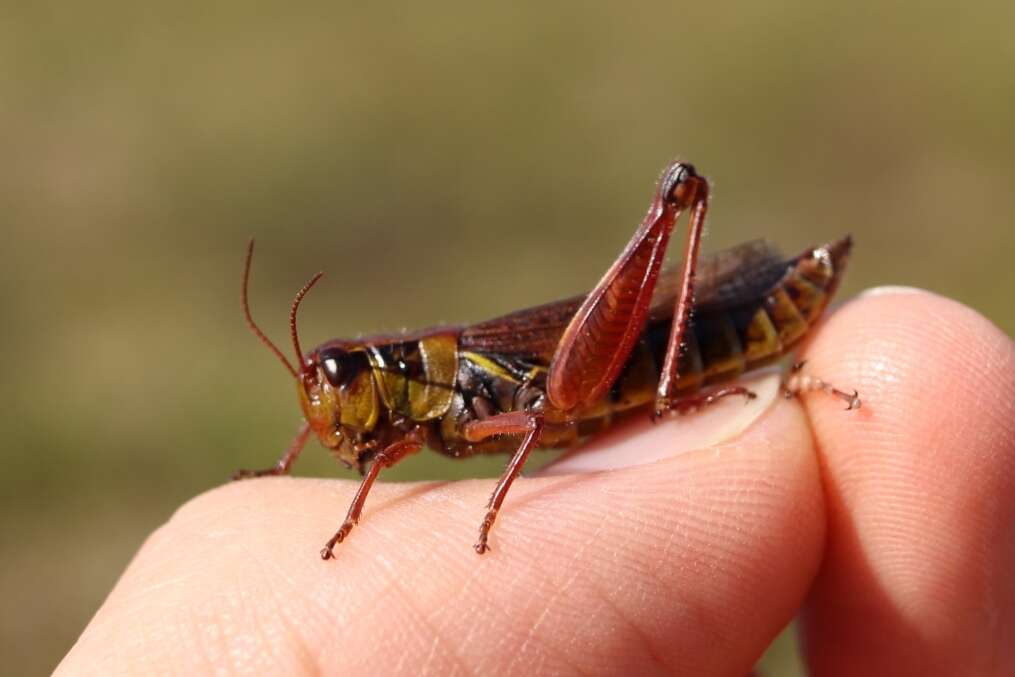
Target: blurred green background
[{"x": 442, "y": 162}]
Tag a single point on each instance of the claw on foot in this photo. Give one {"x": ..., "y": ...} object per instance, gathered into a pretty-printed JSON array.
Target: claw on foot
[
  {"x": 327, "y": 552},
  {"x": 484, "y": 531},
  {"x": 692, "y": 403},
  {"x": 249, "y": 474}
]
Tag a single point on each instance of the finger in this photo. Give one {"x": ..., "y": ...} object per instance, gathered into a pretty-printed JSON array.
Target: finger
[
  {"x": 689, "y": 565},
  {"x": 921, "y": 491}
]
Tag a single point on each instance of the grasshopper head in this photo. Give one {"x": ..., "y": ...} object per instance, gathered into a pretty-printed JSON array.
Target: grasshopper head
[
  {"x": 334, "y": 382},
  {"x": 338, "y": 397}
]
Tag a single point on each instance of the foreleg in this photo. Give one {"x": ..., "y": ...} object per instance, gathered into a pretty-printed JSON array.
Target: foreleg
[{"x": 387, "y": 457}]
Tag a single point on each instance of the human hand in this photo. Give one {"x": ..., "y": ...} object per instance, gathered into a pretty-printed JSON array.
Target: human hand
[{"x": 890, "y": 530}]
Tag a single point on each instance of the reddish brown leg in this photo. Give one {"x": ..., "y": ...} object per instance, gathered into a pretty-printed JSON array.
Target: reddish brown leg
[
  {"x": 693, "y": 403},
  {"x": 512, "y": 423},
  {"x": 799, "y": 382},
  {"x": 284, "y": 464},
  {"x": 666, "y": 393},
  {"x": 605, "y": 328},
  {"x": 389, "y": 456}
]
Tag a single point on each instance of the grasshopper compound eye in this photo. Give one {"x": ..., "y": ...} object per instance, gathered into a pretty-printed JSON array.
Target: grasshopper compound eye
[
  {"x": 338, "y": 366},
  {"x": 332, "y": 370}
]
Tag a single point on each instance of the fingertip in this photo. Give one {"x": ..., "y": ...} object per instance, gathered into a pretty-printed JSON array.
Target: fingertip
[
  {"x": 920, "y": 485},
  {"x": 926, "y": 367}
]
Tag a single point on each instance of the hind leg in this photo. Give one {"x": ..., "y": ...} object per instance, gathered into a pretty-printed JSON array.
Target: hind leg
[{"x": 800, "y": 382}]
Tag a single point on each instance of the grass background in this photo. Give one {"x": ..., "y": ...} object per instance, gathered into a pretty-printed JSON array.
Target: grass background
[{"x": 442, "y": 162}]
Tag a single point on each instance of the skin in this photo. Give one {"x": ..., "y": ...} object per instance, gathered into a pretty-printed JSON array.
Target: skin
[{"x": 888, "y": 531}]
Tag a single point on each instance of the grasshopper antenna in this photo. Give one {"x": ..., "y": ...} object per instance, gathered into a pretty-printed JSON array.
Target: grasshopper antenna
[
  {"x": 292, "y": 314},
  {"x": 253, "y": 325}
]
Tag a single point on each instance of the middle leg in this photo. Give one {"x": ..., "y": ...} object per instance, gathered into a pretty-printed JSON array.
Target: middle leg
[{"x": 512, "y": 423}]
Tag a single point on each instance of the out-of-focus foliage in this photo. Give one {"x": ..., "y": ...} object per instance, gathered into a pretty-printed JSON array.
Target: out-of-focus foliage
[{"x": 442, "y": 162}]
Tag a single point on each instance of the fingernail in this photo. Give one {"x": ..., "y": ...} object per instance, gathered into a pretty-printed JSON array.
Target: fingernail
[
  {"x": 892, "y": 290},
  {"x": 639, "y": 441}
]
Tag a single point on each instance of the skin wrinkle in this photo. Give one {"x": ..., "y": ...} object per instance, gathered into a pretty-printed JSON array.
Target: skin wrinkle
[
  {"x": 721, "y": 497},
  {"x": 183, "y": 519},
  {"x": 474, "y": 629},
  {"x": 418, "y": 616},
  {"x": 134, "y": 618},
  {"x": 435, "y": 641},
  {"x": 719, "y": 494},
  {"x": 725, "y": 523},
  {"x": 606, "y": 479},
  {"x": 269, "y": 634},
  {"x": 930, "y": 535},
  {"x": 437, "y": 631},
  {"x": 464, "y": 642},
  {"x": 302, "y": 649},
  {"x": 185, "y": 633},
  {"x": 656, "y": 658},
  {"x": 463, "y": 592},
  {"x": 764, "y": 572},
  {"x": 547, "y": 650},
  {"x": 241, "y": 644},
  {"x": 575, "y": 568},
  {"x": 519, "y": 581},
  {"x": 503, "y": 642},
  {"x": 954, "y": 503},
  {"x": 642, "y": 528},
  {"x": 363, "y": 619},
  {"x": 411, "y": 625},
  {"x": 128, "y": 601},
  {"x": 292, "y": 589},
  {"x": 999, "y": 359},
  {"x": 709, "y": 557},
  {"x": 212, "y": 649},
  {"x": 201, "y": 647},
  {"x": 257, "y": 558},
  {"x": 298, "y": 650},
  {"x": 342, "y": 614},
  {"x": 591, "y": 646},
  {"x": 474, "y": 577}
]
